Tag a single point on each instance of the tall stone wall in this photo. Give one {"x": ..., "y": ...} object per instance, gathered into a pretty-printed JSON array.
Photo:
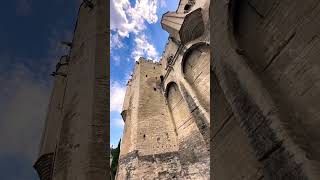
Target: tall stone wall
[
  {"x": 161, "y": 137},
  {"x": 80, "y": 146},
  {"x": 196, "y": 70},
  {"x": 149, "y": 146},
  {"x": 129, "y": 113},
  {"x": 166, "y": 107},
  {"x": 186, "y": 60},
  {"x": 156, "y": 133},
  {"x": 233, "y": 156},
  {"x": 81, "y": 151},
  {"x": 264, "y": 58},
  {"x": 51, "y": 132},
  {"x": 193, "y": 150}
]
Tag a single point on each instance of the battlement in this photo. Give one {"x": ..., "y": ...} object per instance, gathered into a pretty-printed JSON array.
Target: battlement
[
  {"x": 143, "y": 60},
  {"x": 140, "y": 63}
]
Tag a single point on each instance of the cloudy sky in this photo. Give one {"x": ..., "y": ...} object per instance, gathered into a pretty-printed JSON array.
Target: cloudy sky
[
  {"x": 30, "y": 33},
  {"x": 135, "y": 32}
]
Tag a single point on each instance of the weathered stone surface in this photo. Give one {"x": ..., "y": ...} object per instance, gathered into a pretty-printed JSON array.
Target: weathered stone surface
[
  {"x": 166, "y": 107},
  {"x": 44, "y": 164},
  {"x": 264, "y": 58},
  {"x": 157, "y": 166},
  {"x": 183, "y": 27},
  {"x": 75, "y": 131}
]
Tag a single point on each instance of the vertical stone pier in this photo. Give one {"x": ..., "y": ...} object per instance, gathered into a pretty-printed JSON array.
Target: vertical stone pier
[{"x": 79, "y": 148}]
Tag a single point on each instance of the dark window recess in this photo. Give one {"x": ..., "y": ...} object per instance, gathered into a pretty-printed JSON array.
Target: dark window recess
[
  {"x": 161, "y": 78},
  {"x": 158, "y": 139},
  {"x": 146, "y": 75},
  {"x": 154, "y": 67},
  {"x": 187, "y": 7},
  {"x": 144, "y": 136},
  {"x": 170, "y": 60},
  {"x": 155, "y": 89}
]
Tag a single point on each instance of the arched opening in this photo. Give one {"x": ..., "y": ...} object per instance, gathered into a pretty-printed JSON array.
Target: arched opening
[
  {"x": 177, "y": 105},
  {"x": 196, "y": 69},
  {"x": 192, "y": 146},
  {"x": 267, "y": 40}
]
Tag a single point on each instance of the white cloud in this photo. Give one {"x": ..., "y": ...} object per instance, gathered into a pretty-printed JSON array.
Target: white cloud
[
  {"x": 118, "y": 17},
  {"x": 144, "y": 9},
  {"x": 115, "y": 41},
  {"x": 143, "y": 48},
  {"x": 117, "y": 93},
  {"x": 126, "y": 19},
  {"x": 116, "y": 60},
  {"x": 163, "y": 4}
]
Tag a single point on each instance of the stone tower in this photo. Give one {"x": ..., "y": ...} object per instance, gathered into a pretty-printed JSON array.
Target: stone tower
[
  {"x": 74, "y": 142},
  {"x": 148, "y": 133},
  {"x": 167, "y": 104}
]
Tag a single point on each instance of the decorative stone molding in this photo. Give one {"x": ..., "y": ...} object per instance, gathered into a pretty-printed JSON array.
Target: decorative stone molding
[
  {"x": 188, "y": 6},
  {"x": 64, "y": 61},
  {"x": 183, "y": 27},
  {"x": 44, "y": 166}
]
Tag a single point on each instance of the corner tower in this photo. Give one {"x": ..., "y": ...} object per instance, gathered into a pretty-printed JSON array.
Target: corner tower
[{"x": 149, "y": 145}]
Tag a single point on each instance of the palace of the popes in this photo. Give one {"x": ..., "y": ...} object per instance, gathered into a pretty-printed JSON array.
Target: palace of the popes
[{"x": 235, "y": 96}]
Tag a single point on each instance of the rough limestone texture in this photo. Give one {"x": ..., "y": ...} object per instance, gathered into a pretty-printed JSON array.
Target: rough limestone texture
[
  {"x": 75, "y": 132},
  {"x": 167, "y": 104},
  {"x": 265, "y": 89}
]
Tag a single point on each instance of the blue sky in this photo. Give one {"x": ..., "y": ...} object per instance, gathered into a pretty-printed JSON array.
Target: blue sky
[{"x": 135, "y": 32}]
